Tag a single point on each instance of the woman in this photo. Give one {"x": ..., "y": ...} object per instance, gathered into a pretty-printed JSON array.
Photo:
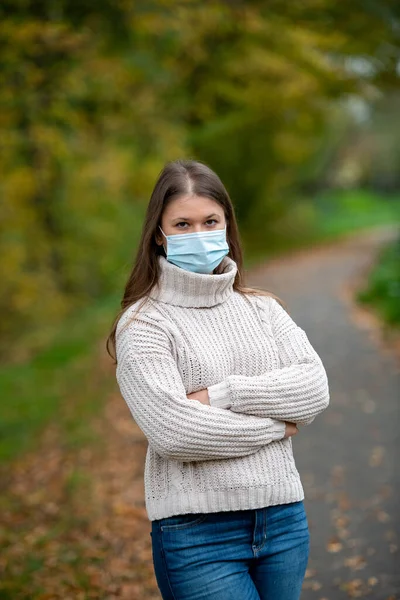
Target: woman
[{"x": 217, "y": 376}]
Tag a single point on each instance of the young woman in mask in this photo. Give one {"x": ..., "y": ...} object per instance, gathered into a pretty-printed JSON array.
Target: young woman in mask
[{"x": 218, "y": 377}]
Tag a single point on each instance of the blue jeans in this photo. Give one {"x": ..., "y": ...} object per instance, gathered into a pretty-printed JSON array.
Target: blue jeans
[{"x": 256, "y": 554}]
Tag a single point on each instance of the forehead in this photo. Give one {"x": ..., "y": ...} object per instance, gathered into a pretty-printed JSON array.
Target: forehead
[{"x": 192, "y": 206}]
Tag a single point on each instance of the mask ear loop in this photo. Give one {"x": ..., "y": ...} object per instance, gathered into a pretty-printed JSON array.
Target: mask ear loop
[{"x": 163, "y": 244}]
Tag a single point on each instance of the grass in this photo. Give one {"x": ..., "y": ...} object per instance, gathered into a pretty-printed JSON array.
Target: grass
[
  {"x": 65, "y": 383},
  {"x": 329, "y": 216},
  {"x": 383, "y": 288},
  {"x": 344, "y": 211}
]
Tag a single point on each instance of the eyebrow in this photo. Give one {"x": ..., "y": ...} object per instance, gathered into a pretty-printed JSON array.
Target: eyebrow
[{"x": 187, "y": 219}]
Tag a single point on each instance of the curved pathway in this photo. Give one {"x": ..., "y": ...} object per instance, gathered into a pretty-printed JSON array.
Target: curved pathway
[{"x": 349, "y": 456}]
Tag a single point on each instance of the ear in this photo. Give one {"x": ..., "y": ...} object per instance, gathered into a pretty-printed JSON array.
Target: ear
[{"x": 158, "y": 237}]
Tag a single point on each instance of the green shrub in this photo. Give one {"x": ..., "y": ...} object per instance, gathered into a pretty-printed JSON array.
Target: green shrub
[{"x": 383, "y": 289}]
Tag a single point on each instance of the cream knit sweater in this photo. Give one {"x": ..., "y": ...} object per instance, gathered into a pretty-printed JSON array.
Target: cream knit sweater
[{"x": 260, "y": 369}]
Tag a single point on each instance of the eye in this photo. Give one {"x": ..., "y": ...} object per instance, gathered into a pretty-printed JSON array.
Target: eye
[{"x": 185, "y": 223}]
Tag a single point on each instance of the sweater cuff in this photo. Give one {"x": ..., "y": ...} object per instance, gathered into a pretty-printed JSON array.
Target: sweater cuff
[
  {"x": 218, "y": 395},
  {"x": 279, "y": 429}
]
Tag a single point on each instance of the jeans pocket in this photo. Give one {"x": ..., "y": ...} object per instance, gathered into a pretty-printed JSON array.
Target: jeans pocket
[
  {"x": 182, "y": 521},
  {"x": 293, "y": 512},
  {"x": 298, "y": 517}
]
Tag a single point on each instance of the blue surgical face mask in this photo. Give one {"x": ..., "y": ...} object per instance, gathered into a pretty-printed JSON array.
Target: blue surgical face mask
[{"x": 199, "y": 252}]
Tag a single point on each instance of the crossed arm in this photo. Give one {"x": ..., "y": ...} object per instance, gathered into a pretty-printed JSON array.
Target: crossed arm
[
  {"x": 297, "y": 391},
  {"x": 152, "y": 387}
]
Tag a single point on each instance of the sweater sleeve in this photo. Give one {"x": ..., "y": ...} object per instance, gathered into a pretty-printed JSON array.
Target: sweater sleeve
[
  {"x": 177, "y": 427},
  {"x": 297, "y": 391}
]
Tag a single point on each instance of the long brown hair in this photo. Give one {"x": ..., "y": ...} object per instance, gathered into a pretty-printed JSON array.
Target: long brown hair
[{"x": 175, "y": 180}]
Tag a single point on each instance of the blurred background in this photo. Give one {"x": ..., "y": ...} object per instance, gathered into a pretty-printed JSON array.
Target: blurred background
[{"x": 296, "y": 107}]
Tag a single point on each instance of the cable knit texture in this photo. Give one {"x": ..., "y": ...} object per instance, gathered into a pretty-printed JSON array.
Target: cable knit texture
[{"x": 195, "y": 332}]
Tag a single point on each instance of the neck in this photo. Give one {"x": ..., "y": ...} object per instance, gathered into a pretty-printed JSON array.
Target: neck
[{"x": 181, "y": 287}]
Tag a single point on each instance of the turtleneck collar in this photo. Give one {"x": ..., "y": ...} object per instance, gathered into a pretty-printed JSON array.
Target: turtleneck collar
[{"x": 181, "y": 287}]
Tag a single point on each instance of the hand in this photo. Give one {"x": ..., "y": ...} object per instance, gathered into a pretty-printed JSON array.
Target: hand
[
  {"x": 201, "y": 396},
  {"x": 291, "y": 429}
]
